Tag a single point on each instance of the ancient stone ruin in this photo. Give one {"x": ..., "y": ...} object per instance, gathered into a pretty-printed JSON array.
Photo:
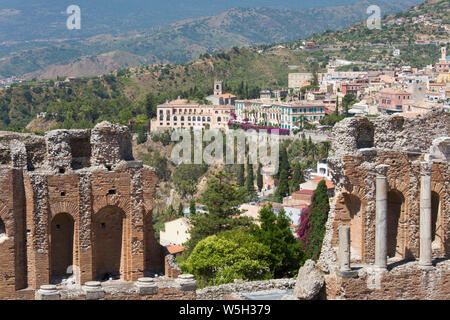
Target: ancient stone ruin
[
  {"x": 75, "y": 202},
  {"x": 388, "y": 231}
]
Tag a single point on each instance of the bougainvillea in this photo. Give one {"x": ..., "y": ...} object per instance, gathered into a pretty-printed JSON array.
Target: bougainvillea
[{"x": 249, "y": 126}]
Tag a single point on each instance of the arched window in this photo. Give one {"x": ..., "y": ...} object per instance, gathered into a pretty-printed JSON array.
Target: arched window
[
  {"x": 203, "y": 118},
  {"x": 182, "y": 118},
  {"x": 189, "y": 118},
  {"x": 209, "y": 119},
  {"x": 198, "y": 118},
  {"x": 219, "y": 119},
  {"x": 175, "y": 118}
]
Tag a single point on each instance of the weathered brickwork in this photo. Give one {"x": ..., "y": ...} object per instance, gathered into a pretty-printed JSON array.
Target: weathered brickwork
[
  {"x": 361, "y": 148},
  {"x": 74, "y": 202}
]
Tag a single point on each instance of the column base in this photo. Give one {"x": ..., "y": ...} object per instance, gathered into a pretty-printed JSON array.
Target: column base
[
  {"x": 426, "y": 267},
  {"x": 347, "y": 274}
]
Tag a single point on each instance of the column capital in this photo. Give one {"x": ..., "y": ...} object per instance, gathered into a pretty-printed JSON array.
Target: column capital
[
  {"x": 425, "y": 168},
  {"x": 381, "y": 170}
]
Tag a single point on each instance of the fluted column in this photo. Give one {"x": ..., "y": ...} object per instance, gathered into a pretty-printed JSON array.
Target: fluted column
[
  {"x": 381, "y": 218},
  {"x": 425, "y": 215}
]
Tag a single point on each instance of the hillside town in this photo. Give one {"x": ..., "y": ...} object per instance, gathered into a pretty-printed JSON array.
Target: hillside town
[
  {"x": 308, "y": 169},
  {"x": 405, "y": 92}
]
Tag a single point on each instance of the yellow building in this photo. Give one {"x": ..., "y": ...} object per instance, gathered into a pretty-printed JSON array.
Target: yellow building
[{"x": 444, "y": 77}]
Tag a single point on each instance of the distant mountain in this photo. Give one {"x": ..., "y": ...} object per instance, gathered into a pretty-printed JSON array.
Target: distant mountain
[
  {"x": 42, "y": 20},
  {"x": 180, "y": 41}
]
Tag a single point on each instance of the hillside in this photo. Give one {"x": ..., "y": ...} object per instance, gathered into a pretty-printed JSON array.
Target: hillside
[
  {"x": 180, "y": 41},
  {"x": 133, "y": 93},
  {"x": 423, "y": 22}
]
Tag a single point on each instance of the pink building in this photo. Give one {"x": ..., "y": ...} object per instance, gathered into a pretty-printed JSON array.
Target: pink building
[{"x": 392, "y": 100}]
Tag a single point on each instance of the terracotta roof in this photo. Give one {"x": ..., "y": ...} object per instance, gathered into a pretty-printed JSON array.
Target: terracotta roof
[
  {"x": 330, "y": 184},
  {"x": 174, "y": 249},
  {"x": 226, "y": 96},
  {"x": 309, "y": 192}
]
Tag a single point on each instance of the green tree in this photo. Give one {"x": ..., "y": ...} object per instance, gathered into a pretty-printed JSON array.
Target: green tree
[
  {"x": 192, "y": 207},
  {"x": 142, "y": 135},
  {"x": 313, "y": 220},
  {"x": 283, "y": 187},
  {"x": 297, "y": 177},
  {"x": 286, "y": 255},
  {"x": 229, "y": 255},
  {"x": 259, "y": 178},
  {"x": 250, "y": 179},
  {"x": 180, "y": 210},
  {"x": 150, "y": 105},
  {"x": 241, "y": 175},
  {"x": 221, "y": 199}
]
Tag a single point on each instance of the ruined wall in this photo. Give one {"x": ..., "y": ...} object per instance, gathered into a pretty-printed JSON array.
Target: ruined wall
[
  {"x": 63, "y": 195},
  {"x": 406, "y": 281},
  {"x": 361, "y": 145}
]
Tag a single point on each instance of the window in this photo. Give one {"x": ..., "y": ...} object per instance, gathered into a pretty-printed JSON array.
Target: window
[
  {"x": 219, "y": 119},
  {"x": 175, "y": 118},
  {"x": 182, "y": 118},
  {"x": 209, "y": 119},
  {"x": 189, "y": 118}
]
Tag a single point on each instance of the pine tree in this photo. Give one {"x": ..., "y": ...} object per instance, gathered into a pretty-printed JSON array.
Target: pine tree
[
  {"x": 259, "y": 179},
  {"x": 221, "y": 199}
]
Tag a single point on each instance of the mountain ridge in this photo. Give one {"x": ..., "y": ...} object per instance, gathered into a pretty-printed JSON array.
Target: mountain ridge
[{"x": 185, "y": 40}]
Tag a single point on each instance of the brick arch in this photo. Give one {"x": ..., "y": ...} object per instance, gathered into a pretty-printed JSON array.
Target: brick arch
[
  {"x": 69, "y": 207},
  {"x": 350, "y": 211},
  {"x": 121, "y": 202}
]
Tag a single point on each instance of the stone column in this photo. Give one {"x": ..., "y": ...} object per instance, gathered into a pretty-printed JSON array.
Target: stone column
[
  {"x": 344, "y": 253},
  {"x": 425, "y": 215},
  {"x": 344, "y": 248},
  {"x": 381, "y": 218}
]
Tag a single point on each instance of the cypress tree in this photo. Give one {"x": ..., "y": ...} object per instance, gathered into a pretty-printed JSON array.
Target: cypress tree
[
  {"x": 297, "y": 177},
  {"x": 336, "y": 111},
  {"x": 180, "y": 210},
  {"x": 192, "y": 207},
  {"x": 283, "y": 186},
  {"x": 241, "y": 175},
  {"x": 259, "y": 178},
  {"x": 249, "y": 180}
]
